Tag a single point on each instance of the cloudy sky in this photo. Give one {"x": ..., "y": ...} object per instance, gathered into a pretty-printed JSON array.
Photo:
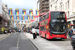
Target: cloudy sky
[
  {"x": 0, "y": 6},
  {"x": 21, "y": 4}
]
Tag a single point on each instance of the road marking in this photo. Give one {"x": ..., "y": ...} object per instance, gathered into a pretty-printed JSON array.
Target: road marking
[
  {"x": 17, "y": 45},
  {"x": 18, "y": 42}
]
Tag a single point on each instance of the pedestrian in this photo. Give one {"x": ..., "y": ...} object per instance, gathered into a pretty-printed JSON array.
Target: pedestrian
[
  {"x": 25, "y": 30},
  {"x": 70, "y": 32},
  {"x": 5, "y": 31},
  {"x": 10, "y": 31},
  {"x": 34, "y": 33},
  {"x": 73, "y": 32},
  {"x": 73, "y": 39}
]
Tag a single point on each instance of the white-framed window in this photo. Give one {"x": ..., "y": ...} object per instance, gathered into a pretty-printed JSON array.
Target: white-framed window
[
  {"x": 68, "y": 13},
  {"x": 68, "y": 4},
  {"x": 51, "y": 7},
  {"x": 56, "y": 3},
  {"x": 56, "y": 8},
  {"x": 63, "y": 6}
]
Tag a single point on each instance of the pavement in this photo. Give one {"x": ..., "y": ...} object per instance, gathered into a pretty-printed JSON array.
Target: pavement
[
  {"x": 44, "y": 44},
  {"x": 4, "y": 35}
]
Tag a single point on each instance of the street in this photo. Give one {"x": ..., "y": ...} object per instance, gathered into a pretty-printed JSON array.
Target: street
[
  {"x": 22, "y": 41},
  {"x": 16, "y": 41},
  {"x": 37, "y": 25}
]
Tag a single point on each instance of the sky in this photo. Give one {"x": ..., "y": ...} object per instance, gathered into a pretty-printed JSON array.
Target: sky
[
  {"x": 0, "y": 6},
  {"x": 21, "y": 4}
]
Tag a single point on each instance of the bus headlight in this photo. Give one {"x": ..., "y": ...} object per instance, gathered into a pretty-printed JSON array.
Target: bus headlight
[{"x": 47, "y": 27}]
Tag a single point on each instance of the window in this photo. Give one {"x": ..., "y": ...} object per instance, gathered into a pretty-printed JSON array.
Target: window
[
  {"x": 57, "y": 15},
  {"x": 46, "y": 22},
  {"x": 43, "y": 18},
  {"x": 42, "y": 28},
  {"x": 46, "y": 7},
  {"x": 42, "y": 23},
  {"x": 68, "y": 23},
  {"x": 56, "y": 8},
  {"x": 68, "y": 13},
  {"x": 51, "y": 7},
  {"x": 63, "y": 6},
  {"x": 47, "y": 16},
  {"x": 56, "y": 3},
  {"x": 74, "y": 24},
  {"x": 68, "y": 4}
]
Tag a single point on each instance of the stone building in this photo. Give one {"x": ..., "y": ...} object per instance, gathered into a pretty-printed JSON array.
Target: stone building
[
  {"x": 43, "y": 5},
  {"x": 64, "y": 5}
]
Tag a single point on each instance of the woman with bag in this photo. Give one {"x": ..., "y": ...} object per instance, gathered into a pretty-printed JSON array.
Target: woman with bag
[
  {"x": 34, "y": 33},
  {"x": 73, "y": 39},
  {"x": 25, "y": 30},
  {"x": 70, "y": 32}
]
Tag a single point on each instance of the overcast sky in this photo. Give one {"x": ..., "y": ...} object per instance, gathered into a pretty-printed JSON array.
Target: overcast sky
[
  {"x": 21, "y": 4},
  {"x": 0, "y": 6}
]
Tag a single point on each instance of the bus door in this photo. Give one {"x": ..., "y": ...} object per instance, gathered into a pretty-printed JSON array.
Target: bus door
[
  {"x": 47, "y": 30},
  {"x": 42, "y": 31}
]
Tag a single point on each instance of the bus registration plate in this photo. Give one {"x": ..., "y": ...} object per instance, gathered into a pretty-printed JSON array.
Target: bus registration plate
[{"x": 58, "y": 38}]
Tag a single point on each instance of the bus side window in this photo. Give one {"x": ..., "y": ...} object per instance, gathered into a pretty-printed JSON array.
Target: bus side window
[
  {"x": 47, "y": 16},
  {"x": 42, "y": 28}
]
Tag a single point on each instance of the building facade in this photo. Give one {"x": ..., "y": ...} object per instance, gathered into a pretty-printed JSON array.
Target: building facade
[
  {"x": 43, "y": 6},
  {"x": 5, "y": 11},
  {"x": 64, "y": 5},
  {"x": 0, "y": 6},
  {"x": 4, "y": 17}
]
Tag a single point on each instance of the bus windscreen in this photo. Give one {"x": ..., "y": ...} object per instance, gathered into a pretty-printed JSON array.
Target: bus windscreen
[
  {"x": 58, "y": 22},
  {"x": 57, "y": 14}
]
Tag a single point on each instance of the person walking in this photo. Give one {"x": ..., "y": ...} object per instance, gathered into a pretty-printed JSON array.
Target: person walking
[
  {"x": 25, "y": 30},
  {"x": 34, "y": 32},
  {"x": 70, "y": 32},
  {"x": 73, "y": 32},
  {"x": 73, "y": 39}
]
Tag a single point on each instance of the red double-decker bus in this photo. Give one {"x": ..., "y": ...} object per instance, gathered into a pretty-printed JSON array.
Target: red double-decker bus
[{"x": 53, "y": 25}]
